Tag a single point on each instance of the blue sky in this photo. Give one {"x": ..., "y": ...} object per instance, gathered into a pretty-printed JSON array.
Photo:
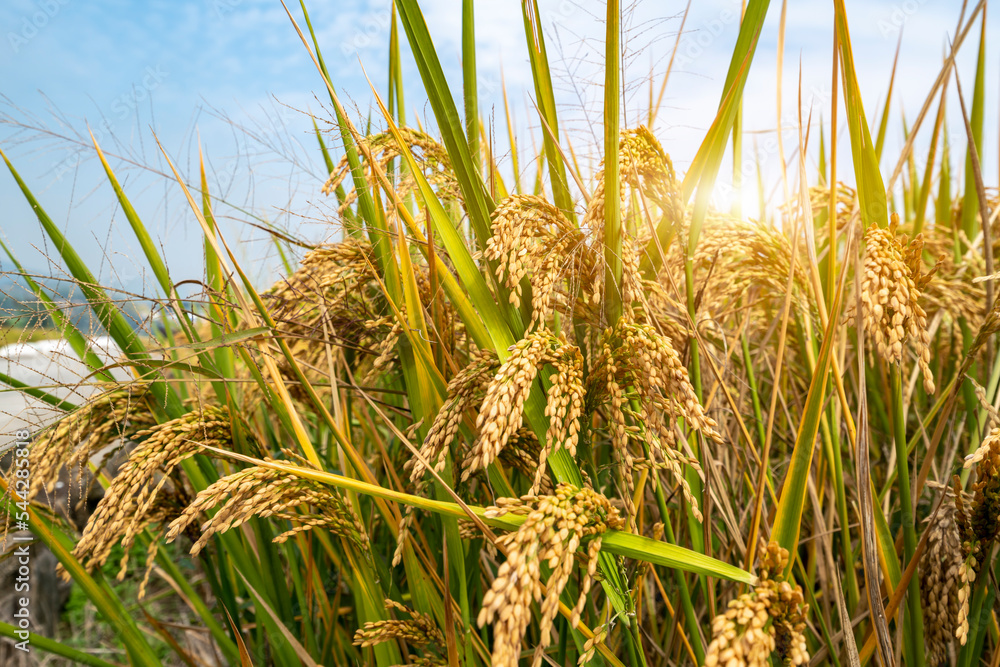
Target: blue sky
[{"x": 233, "y": 75}]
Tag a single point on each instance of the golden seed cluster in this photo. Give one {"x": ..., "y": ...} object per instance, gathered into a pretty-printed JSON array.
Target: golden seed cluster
[
  {"x": 768, "y": 620},
  {"x": 531, "y": 236},
  {"x": 735, "y": 255},
  {"x": 115, "y": 414},
  {"x": 940, "y": 582},
  {"x": 890, "y": 289},
  {"x": 644, "y": 166},
  {"x": 978, "y": 521},
  {"x": 501, "y": 413},
  {"x": 647, "y": 389},
  {"x": 967, "y": 577},
  {"x": 524, "y": 453},
  {"x": 590, "y": 646},
  {"x": 265, "y": 492},
  {"x": 554, "y": 529},
  {"x": 134, "y": 499},
  {"x": 334, "y": 302},
  {"x": 420, "y": 630},
  {"x": 429, "y": 155},
  {"x": 563, "y": 406},
  {"x": 464, "y": 391},
  {"x": 846, "y": 199}
]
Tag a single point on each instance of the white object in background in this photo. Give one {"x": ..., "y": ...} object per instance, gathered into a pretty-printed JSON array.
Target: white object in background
[{"x": 51, "y": 365}]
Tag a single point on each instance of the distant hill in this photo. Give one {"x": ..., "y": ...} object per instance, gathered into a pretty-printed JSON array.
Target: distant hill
[{"x": 20, "y": 307}]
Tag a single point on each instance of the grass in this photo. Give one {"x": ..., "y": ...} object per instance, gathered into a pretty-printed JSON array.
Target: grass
[
  {"x": 565, "y": 415},
  {"x": 11, "y": 334}
]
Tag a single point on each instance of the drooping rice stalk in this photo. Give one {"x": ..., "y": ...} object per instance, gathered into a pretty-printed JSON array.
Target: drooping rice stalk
[{"x": 487, "y": 422}]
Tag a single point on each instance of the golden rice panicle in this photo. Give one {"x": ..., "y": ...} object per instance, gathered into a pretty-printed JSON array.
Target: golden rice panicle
[
  {"x": 635, "y": 357},
  {"x": 524, "y": 453},
  {"x": 620, "y": 433},
  {"x": 990, "y": 444},
  {"x": 736, "y": 255},
  {"x": 115, "y": 414},
  {"x": 771, "y": 619},
  {"x": 563, "y": 407},
  {"x": 129, "y": 502},
  {"x": 386, "y": 347},
  {"x": 846, "y": 198},
  {"x": 420, "y": 630},
  {"x": 967, "y": 576},
  {"x": 890, "y": 290},
  {"x": 989, "y": 326},
  {"x": 740, "y": 637},
  {"x": 940, "y": 582},
  {"x": 501, "y": 413},
  {"x": 983, "y": 521},
  {"x": 429, "y": 155},
  {"x": 334, "y": 302},
  {"x": 552, "y": 532},
  {"x": 532, "y": 236},
  {"x": 464, "y": 390},
  {"x": 265, "y": 492},
  {"x": 644, "y": 166},
  {"x": 978, "y": 522},
  {"x": 590, "y": 646}
]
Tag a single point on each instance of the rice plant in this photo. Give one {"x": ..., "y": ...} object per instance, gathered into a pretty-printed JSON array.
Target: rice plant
[{"x": 560, "y": 416}]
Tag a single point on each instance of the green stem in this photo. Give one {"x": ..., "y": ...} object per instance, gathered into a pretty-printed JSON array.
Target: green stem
[
  {"x": 758, "y": 413},
  {"x": 469, "y": 79},
  {"x": 850, "y": 579},
  {"x": 693, "y": 480},
  {"x": 694, "y": 631},
  {"x": 914, "y": 620},
  {"x": 612, "y": 180}
]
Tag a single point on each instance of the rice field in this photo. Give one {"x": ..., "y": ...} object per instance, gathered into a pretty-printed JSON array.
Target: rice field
[{"x": 565, "y": 415}]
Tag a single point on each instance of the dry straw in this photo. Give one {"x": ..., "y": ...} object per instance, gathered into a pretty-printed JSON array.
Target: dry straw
[{"x": 554, "y": 528}]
